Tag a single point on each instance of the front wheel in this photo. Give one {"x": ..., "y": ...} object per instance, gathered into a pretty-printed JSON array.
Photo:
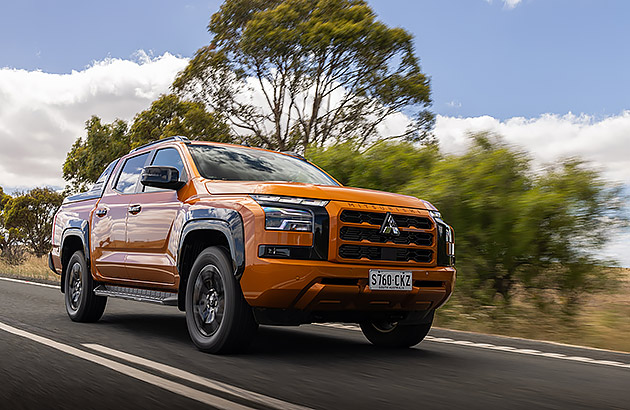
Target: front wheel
[
  {"x": 82, "y": 304},
  {"x": 219, "y": 319},
  {"x": 393, "y": 334}
]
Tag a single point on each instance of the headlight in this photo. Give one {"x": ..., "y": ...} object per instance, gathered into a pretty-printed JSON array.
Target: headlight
[
  {"x": 264, "y": 199},
  {"x": 288, "y": 219},
  {"x": 281, "y": 218},
  {"x": 435, "y": 214}
]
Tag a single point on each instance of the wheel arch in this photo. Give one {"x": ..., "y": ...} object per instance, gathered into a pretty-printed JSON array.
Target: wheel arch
[
  {"x": 72, "y": 240},
  {"x": 198, "y": 235}
]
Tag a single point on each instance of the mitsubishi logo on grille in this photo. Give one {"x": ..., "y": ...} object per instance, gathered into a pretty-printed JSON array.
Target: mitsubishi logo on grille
[{"x": 389, "y": 226}]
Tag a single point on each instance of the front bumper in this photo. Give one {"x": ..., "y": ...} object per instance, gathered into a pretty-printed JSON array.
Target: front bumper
[{"x": 327, "y": 286}]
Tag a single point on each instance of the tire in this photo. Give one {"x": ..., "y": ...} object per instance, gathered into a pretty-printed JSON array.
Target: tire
[
  {"x": 394, "y": 335},
  {"x": 82, "y": 304},
  {"x": 219, "y": 319}
]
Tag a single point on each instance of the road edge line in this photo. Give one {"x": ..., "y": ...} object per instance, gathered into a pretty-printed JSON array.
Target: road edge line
[
  {"x": 165, "y": 384},
  {"x": 506, "y": 349},
  {"x": 523, "y": 339},
  {"x": 203, "y": 381},
  {"x": 29, "y": 282}
]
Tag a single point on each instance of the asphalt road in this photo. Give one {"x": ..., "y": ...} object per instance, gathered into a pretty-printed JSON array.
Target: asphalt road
[{"x": 139, "y": 356}]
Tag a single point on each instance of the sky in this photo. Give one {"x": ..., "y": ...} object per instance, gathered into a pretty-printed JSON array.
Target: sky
[{"x": 551, "y": 76}]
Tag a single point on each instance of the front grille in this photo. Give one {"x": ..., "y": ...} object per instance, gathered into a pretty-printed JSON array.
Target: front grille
[
  {"x": 377, "y": 218},
  {"x": 352, "y": 233},
  {"x": 361, "y": 238},
  {"x": 381, "y": 253}
]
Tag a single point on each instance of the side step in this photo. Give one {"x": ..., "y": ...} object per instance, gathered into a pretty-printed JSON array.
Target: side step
[{"x": 140, "y": 295}]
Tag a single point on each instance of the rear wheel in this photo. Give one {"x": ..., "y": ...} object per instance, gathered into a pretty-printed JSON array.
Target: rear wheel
[
  {"x": 393, "y": 334},
  {"x": 82, "y": 304},
  {"x": 218, "y": 317}
]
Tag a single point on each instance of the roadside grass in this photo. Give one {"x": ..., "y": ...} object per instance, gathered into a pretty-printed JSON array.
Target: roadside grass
[
  {"x": 34, "y": 268},
  {"x": 602, "y": 320}
]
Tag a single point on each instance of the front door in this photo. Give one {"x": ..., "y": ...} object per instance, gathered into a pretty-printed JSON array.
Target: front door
[
  {"x": 108, "y": 235},
  {"x": 149, "y": 225}
]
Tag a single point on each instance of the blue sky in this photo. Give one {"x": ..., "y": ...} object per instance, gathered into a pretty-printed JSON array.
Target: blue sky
[
  {"x": 485, "y": 58},
  {"x": 542, "y": 56},
  {"x": 60, "y": 36}
]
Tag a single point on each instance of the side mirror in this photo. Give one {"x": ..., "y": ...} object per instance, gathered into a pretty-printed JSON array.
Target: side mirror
[{"x": 161, "y": 177}]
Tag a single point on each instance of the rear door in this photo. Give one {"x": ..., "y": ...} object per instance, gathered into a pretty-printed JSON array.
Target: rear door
[
  {"x": 149, "y": 225},
  {"x": 108, "y": 235}
]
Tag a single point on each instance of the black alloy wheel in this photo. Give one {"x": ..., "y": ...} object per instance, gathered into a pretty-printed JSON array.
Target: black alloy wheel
[
  {"x": 82, "y": 305},
  {"x": 393, "y": 334},
  {"x": 219, "y": 319}
]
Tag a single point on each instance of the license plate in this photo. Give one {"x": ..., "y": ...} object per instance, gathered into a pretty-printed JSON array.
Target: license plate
[{"x": 389, "y": 280}]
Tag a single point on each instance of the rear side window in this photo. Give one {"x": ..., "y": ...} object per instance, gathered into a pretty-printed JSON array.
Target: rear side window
[
  {"x": 97, "y": 189},
  {"x": 168, "y": 157},
  {"x": 130, "y": 174},
  {"x": 99, "y": 185}
]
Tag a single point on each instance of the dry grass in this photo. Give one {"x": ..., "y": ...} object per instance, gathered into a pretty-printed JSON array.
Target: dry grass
[
  {"x": 602, "y": 321},
  {"x": 33, "y": 268}
]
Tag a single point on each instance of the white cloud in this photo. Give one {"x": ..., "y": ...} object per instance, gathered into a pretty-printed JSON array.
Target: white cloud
[
  {"x": 508, "y": 4},
  {"x": 511, "y": 3},
  {"x": 42, "y": 114},
  {"x": 604, "y": 142}
]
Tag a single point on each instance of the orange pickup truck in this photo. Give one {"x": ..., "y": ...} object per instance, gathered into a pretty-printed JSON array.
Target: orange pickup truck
[{"x": 238, "y": 236}]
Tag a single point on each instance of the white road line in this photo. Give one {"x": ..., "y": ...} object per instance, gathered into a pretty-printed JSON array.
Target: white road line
[
  {"x": 182, "y": 390},
  {"x": 507, "y": 349},
  {"x": 212, "y": 384},
  {"x": 28, "y": 282},
  {"x": 338, "y": 326}
]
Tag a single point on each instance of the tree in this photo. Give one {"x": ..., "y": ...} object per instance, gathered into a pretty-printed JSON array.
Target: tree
[
  {"x": 513, "y": 226},
  {"x": 10, "y": 249},
  {"x": 3, "y": 199},
  {"x": 326, "y": 69},
  {"x": 385, "y": 166},
  {"x": 88, "y": 157},
  {"x": 167, "y": 116},
  {"x": 29, "y": 216},
  {"x": 10, "y": 240}
]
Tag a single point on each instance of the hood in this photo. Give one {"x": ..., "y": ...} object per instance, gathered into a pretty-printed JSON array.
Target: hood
[{"x": 327, "y": 192}]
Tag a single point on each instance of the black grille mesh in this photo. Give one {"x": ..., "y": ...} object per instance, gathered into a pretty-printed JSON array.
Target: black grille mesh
[
  {"x": 352, "y": 233},
  {"x": 381, "y": 253},
  {"x": 377, "y": 218}
]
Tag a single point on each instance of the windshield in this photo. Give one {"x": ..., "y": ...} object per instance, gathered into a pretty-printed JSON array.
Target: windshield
[{"x": 244, "y": 164}]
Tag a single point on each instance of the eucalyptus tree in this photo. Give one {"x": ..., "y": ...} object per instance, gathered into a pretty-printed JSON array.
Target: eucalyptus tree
[{"x": 288, "y": 74}]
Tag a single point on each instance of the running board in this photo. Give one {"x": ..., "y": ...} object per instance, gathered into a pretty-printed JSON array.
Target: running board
[{"x": 140, "y": 295}]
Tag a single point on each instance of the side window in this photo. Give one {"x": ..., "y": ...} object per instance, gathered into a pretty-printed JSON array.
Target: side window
[
  {"x": 168, "y": 157},
  {"x": 130, "y": 174},
  {"x": 99, "y": 185}
]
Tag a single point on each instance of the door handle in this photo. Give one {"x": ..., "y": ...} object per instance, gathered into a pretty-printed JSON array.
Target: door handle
[
  {"x": 101, "y": 212},
  {"x": 134, "y": 209}
]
